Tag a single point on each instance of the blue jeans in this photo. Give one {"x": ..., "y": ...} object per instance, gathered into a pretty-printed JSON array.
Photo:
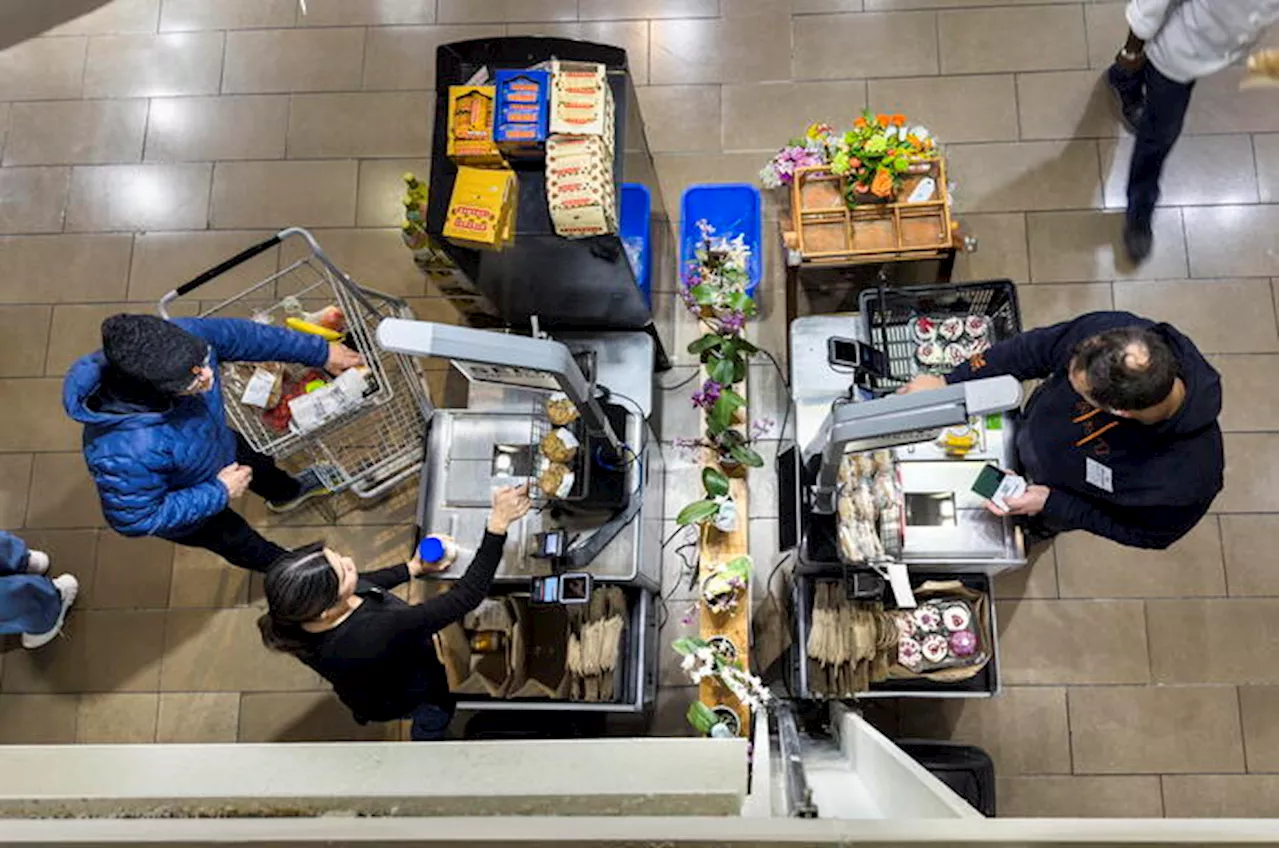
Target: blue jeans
[
  {"x": 430, "y": 723},
  {"x": 29, "y": 603},
  {"x": 1164, "y": 106}
]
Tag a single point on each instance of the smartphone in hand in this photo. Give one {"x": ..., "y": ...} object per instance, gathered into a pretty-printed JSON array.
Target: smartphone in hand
[{"x": 995, "y": 485}]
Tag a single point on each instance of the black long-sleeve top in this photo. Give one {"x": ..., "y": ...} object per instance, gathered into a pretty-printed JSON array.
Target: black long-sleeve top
[{"x": 381, "y": 660}]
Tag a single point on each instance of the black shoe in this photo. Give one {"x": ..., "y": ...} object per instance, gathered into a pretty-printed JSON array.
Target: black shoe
[
  {"x": 1128, "y": 110},
  {"x": 309, "y": 486},
  {"x": 1137, "y": 241}
]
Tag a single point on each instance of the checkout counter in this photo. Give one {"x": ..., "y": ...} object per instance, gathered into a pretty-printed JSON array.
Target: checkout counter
[{"x": 612, "y": 532}]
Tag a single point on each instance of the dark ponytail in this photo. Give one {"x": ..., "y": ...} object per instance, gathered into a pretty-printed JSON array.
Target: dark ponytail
[{"x": 299, "y": 587}]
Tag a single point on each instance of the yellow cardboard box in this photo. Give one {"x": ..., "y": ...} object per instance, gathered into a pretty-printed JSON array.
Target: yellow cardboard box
[
  {"x": 470, "y": 130},
  {"x": 482, "y": 208}
]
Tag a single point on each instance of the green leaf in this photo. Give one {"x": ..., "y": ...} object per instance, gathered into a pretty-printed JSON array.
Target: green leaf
[
  {"x": 686, "y": 645},
  {"x": 710, "y": 341},
  {"x": 742, "y": 345},
  {"x": 739, "y": 370},
  {"x": 716, "y": 484},
  {"x": 701, "y": 718},
  {"x": 900, "y": 166},
  {"x": 739, "y": 301},
  {"x": 697, "y": 512},
  {"x": 704, "y": 294},
  {"x": 746, "y": 456},
  {"x": 731, "y": 399},
  {"x": 721, "y": 370}
]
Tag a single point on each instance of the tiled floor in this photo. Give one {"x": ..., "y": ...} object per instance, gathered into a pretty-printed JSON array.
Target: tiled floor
[{"x": 152, "y": 138}]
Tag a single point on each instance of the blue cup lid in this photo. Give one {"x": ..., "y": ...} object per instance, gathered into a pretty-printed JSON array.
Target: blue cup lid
[{"x": 431, "y": 549}]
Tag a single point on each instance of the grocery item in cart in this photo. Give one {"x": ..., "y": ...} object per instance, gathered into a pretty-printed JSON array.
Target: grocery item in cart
[
  {"x": 555, "y": 479},
  {"x": 560, "y": 445},
  {"x": 930, "y": 354},
  {"x": 951, "y": 329},
  {"x": 955, "y": 354},
  {"x": 561, "y": 410},
  {"x": 924, "y": 328},
  {"x": 318, "y": 405}
]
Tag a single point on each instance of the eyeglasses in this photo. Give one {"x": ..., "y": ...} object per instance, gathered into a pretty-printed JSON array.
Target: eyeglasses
[{"x": 197, "y": 383}]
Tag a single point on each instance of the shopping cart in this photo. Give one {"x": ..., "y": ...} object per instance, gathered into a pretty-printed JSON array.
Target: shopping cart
[{"x": 366, "y": 447}]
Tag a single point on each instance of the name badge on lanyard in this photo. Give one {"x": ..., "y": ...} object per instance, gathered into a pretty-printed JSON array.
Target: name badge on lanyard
[{"x": 1098, "y": 475}]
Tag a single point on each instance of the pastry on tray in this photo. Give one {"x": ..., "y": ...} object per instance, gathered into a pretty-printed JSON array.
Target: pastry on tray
[
  {"x": 561, "y": 410},
  {"x": 555, "y": 480},
  {"x": 559, "y": 445}
]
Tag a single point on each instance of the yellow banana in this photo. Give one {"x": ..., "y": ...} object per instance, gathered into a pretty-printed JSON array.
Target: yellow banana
[{"x": 314, "y": 329}]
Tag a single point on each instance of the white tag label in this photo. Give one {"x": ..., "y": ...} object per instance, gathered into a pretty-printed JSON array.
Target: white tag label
[
  {"x": 1096, "y": 474},
  {"x": 902, "y": 594},
  {"x": 258, "y": 391},
  {"x": 1011, "y": 486}
]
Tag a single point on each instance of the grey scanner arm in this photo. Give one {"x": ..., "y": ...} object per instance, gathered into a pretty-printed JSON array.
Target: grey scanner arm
[
  {"x": 485, "y": 347},
  {"x": 900, "y": 420}
]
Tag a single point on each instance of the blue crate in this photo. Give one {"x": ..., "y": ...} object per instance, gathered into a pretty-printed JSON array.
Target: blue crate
[
  {"x": 633, "y": 229},
  {"x": 731, "y": 208}
]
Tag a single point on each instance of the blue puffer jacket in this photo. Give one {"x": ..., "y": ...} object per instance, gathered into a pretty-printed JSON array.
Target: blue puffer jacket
[{"x": 157, "y": 471}]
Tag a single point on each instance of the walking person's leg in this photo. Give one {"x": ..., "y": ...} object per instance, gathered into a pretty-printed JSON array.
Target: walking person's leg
[
  {"x": 229, "y": 536},
  {"x": 14, "y": 555},
  {"x": 1128, "y": 90},
  {"x": 29, "y": 603},
  {"x": 280, "y": 490},
  {"x": 1158, "y": 130}
]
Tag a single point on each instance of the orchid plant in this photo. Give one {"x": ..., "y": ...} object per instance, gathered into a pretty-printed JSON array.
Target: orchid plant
[
  {"x": 717, "y": 507},
  {"x": 724, "y": 586},
  {"x": 701, "y": 661}
]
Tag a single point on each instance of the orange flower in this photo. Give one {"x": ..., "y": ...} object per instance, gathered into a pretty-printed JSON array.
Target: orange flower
[
  {"x": 855, "y": 162},
  {"x": 898, "y": 120},
  {"x": 882, "y": 120},
  {"x": 913, "y": 141},
  {"x": 859, "y": 122},
  {"x": 882, "y": 185}
]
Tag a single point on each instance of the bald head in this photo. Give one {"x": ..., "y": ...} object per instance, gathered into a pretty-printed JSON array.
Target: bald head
[{"x": 1128, "y": 369}]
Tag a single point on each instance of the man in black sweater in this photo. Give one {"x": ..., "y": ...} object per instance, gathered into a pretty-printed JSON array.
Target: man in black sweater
[{"x": 1121, "y": 439}]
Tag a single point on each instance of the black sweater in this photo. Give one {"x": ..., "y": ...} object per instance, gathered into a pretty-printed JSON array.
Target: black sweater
[
  {"x": 1163, "y": 476},
  {"x": 381, "y": 660}
]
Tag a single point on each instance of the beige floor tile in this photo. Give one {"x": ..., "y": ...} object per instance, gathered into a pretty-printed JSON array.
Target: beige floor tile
[
  {"x": 35, "y": 421},
  {"x": 1092, "y": 567},
  {"x": 138, "y": 197},
  {"x": 118, "y": 16},
  {"x": 15, "y": 481},
  {"x": 1249, "y": 391},
  {"x": 164, "y": 261},
  {"x": 1079, "y": 246},
  {"x": 38, "y": 719},
  {"x": 502, "y": 11},
  {"x": 32, "y": 200},
  {"x": 99, "y": 651},
  {"x": 405, "y": 57},
  {"x": 1232, "y": 240},
  {"x": 1202, "y": 640},
  {"x": 43, "y": 69},
  {"x": 1106, "y": 27},
  {"x": 381, "y": 188},
  {"x": 1220, "y": 316},
  {"x": 1043, "y": 304},
  {"x": 5, "y": 110},
  {"x": 222, "y": 651},
  {"x": 76, "y": 132},
  {"x": 293, "y": 60},
  {"x": 1037, "y": 579},
  {"x": 1264, "y": 157},
  {"x": 864, "y": 45},
  {"x": 617, "y": 9},
  {"x": 704, "y": 50},
  {"x": 1001, "y": 248},
  {"x": 279, "y": 194},
  {"x": 1072, "y": 642},
  {"x": 1219, "y": 105},
  {"x": 25, "y": 330},
  {"x": 87, "y": 267},
  {"x": 199, "y": 129},
  {"x": 1201, "y": 170},
  {"x": 681, "y": 117},
  {"x": 1065, "y": 104},
  {"x": 955, "y": 109},
  {"x": 330, "y": 126},
  {"x": 305, "y": 717},
  {"x": 70, "y": 551},
  {"x": 669, "y": 711},
  {"x": 1030, "y": 175},
  {"x": 153, "y": 65},
  {"x": 1024, "y": 730},
  {"x": 819, "y": 6},
  {"x": 631, "y": 36},
  {"x": 132, "y": 573},
  {"x": 63, "y": 494},
  {"x": 198, "y": 717},
  {"x": 202, "y": 579},
  {"x": 763, "y": 116},
  {"x": 1079, "y": 797},
  {"x": 372, "y": 12},
  {"x": 113, "y": 719},
  {"x": 179, "y": 15},
  {"x": 1250, "y": 549},
  {"x": 1250, "y": 478},
  {"x": 675, "y": 627},
  {"x": 1231, "y": 796},
  {"x": 375, "y": 258},
  {"x": 1040, "y": 38},
  {"x": 1154, "y": 729},
  {"x": 1258, "y": 710}
]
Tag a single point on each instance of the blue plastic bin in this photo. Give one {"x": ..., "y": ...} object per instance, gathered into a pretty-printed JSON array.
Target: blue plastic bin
[
  {"x": 730, "y": 208},
  {"x": 633, "y": 229}
]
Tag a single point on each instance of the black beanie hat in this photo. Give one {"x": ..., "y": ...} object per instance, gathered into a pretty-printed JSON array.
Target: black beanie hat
[{"x": 153, "y": 352}]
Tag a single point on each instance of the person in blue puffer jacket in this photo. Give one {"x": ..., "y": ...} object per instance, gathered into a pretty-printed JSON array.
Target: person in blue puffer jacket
[{"x": 156, "y": 438}]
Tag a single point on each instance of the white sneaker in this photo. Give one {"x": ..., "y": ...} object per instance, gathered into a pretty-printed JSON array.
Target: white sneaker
[
  {"x": 68, "y": 588},
  {"x": 37, "y": 562}
]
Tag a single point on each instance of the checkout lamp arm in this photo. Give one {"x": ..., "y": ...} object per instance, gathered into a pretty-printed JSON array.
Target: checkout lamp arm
[{"x": 901, "y": 420}]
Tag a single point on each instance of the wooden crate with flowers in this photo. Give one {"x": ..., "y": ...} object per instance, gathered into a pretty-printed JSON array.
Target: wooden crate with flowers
[{"x": 875, "y": 193}]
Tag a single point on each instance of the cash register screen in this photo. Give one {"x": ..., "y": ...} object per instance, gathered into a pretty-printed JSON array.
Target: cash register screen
[{"x": 931, "y": 509}]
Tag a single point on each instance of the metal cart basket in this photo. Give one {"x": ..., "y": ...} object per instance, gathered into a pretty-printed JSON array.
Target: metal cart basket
[{"x": 367, "y": 446}]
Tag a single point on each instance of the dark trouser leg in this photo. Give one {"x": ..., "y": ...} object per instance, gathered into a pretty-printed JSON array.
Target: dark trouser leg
[
  {"x": 430, "y": 723},
  {"x": 1128, "y": 87},
  {"x": 1158, "y": 129},
  {"x": 230, "y": 537},
  {"x": 269, "y": 482}
]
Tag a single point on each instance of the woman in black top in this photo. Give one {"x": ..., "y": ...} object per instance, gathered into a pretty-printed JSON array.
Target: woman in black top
[{"x": 374, "y": 648}]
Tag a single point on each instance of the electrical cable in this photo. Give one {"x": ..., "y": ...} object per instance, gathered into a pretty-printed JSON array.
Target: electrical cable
[{"x": 686, "y": 381}]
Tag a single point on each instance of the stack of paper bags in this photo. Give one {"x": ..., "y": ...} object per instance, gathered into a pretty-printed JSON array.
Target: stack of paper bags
[
  {"x": 482, "y": 208},
  {"x": 580, "y": 187}
]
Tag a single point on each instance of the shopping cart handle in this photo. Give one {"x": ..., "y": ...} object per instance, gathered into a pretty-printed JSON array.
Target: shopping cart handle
[{"x": 217, "y": 270}]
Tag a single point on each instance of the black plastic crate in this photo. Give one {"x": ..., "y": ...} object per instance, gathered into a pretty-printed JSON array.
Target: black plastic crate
[{"x": 887, "y": 314}]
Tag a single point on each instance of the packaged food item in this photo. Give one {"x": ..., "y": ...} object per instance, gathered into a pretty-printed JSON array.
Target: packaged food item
[
  {"x": 469, "y": 133},
  {"x": 264, "y": 386},
  {"x": 555, "y": 480},
  {"x": 976, "y": 325},
  {"x": 482, "y": 208},
  {"x": 559, "y": 445},
  {"x": 524, "y": 109},
  {"x": 955, "y": 353},
  {"x": 930, "y": 354},
  {"x": 927, "y": 618},
  {"x": 581, "y": 101},
  {"x": 438, "y": 551},
  {"x": 925, "y": 329},
  {"x": 561, "y": 410},
  {"x": 951, "y": 329}
]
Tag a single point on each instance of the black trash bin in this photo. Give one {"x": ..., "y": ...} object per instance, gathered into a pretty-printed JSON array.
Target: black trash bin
[{"x": 966, "y": 769}]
